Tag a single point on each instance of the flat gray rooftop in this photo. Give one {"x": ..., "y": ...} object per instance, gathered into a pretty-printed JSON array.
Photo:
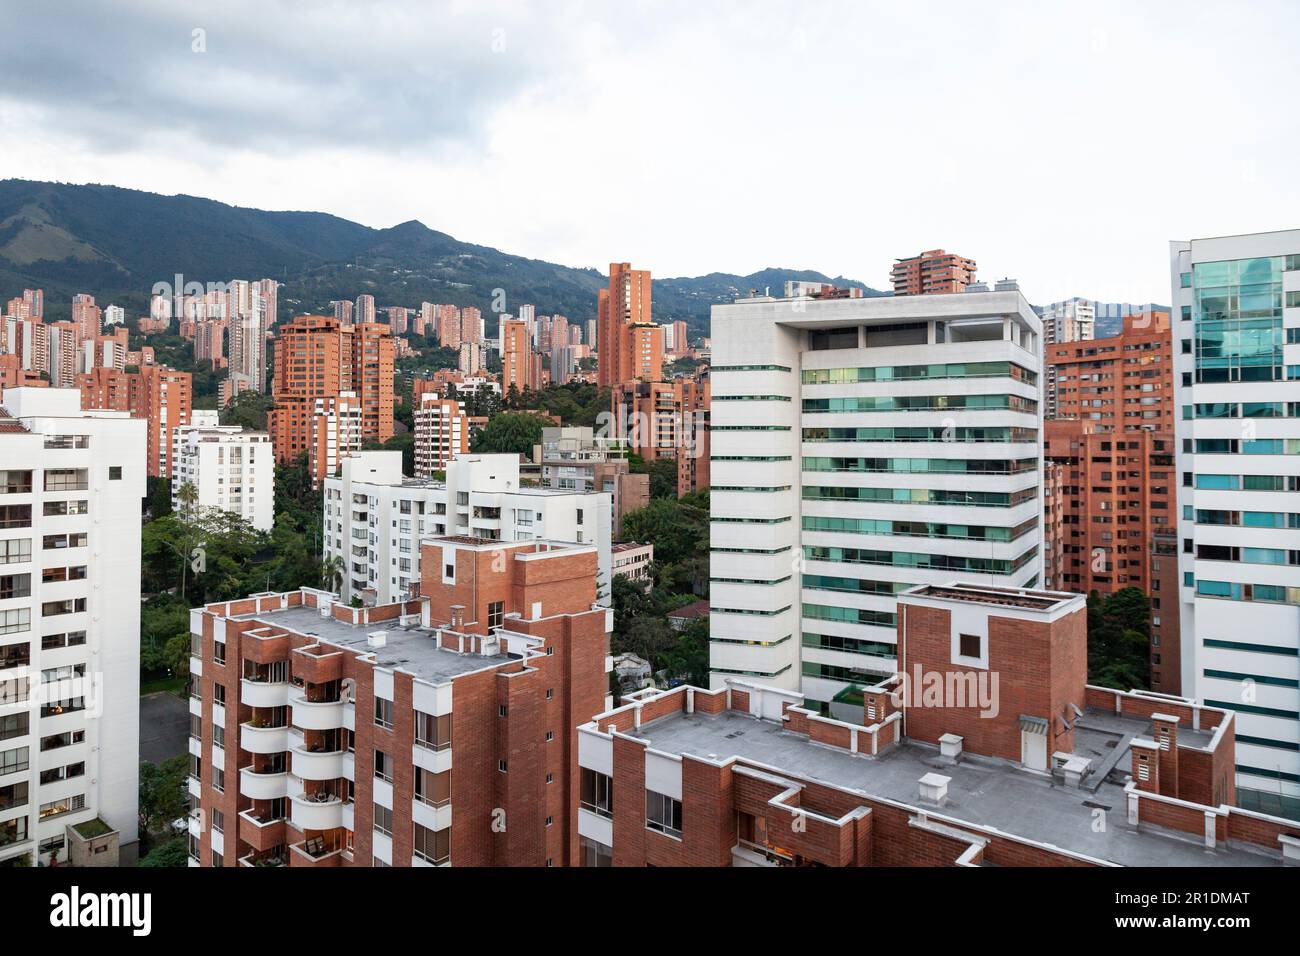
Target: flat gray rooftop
[
  {"x": 412, "y": 649},
  {"x": 982, "y": 791}
]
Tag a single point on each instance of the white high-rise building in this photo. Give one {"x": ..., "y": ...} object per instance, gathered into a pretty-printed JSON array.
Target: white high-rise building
[
  {"x": 375, "y": 518},
  {"x": 230, "y": 469},
  {"x": 1236, "y": 319},
  {"x": 862, "y": 446},
  {"x": 114, "y": 315},
  {"x": 71, "y": 482}
]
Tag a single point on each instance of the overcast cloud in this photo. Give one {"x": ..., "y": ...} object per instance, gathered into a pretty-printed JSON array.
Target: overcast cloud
[{"x": 1062, "y": 144}]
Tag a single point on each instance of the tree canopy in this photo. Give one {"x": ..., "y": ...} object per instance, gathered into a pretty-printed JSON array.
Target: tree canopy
[
  {"x": 1119, "y": 639},
  {"x": 510, "y": 433}
]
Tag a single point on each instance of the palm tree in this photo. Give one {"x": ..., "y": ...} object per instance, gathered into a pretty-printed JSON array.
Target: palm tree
[
  {"x": 332, "y": 569},
  {"x": 188, "y": 496}
]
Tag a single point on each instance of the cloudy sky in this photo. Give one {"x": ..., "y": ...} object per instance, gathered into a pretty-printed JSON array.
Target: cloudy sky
[{"x": 1059, "y": 143}]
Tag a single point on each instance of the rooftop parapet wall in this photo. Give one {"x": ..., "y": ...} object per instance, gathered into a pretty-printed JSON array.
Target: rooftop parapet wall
[
  {"x": 905, "y": 830},
  {"x": 1144, "y": 704}
]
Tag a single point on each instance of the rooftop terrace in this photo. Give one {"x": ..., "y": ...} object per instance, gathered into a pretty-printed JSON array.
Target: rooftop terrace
[
  {"x": 409, "y": 648},
  {"x": 985, "y": 792}
]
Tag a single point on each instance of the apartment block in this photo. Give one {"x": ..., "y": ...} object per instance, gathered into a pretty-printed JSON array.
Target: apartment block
[
  {"x": 87, "y": 317},
  {"x": 449, "y": 329},
  {"x": 1072, "y": 320},
  {"x": 336, "y": 433},
  {"x": 162, "y": 396},
  {"x": 433, "y": 732},
  {"x": 441, "y": 433},
  {"x": 1122, "y": 382},
  {"x": 632, "y": 560},
  {"x": 375, "y": 519},
  {"x": 1113, "y": 437},
  {"x": 631, "y": 345},
  {"x": 29, "y": 305},
  {"x": 231, "y": 470},
  {"x": 521, "y": 364},
  {"x": 1008, "y": 759},
  {"x": 365, "y": 310},
  {"x": 250, "y": 311},
  {"x": 1236, "y": 302},
  {"x": 319, "y": 361},
  {"x": 934, "y": 272},
  {"x": 573, "y": 459},
  {"x": 28, "y": 340},
  {"x": 861, "y": 447},
  {"x": 1117, "y": 501},
  {"x": 13, "y": 375},
  {"x": 667, "y": 420},
  {"x": 71, "y": 482}
]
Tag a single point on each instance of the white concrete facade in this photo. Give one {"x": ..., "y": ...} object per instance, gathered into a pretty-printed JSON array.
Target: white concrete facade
[
  {"x": 69, "y": 620},
  {"x": 375, "y": 518},
  {"x": 1238, "y": 457},
  {"x": 231, "y": 469},
  {"x": 786, "y": 386}
]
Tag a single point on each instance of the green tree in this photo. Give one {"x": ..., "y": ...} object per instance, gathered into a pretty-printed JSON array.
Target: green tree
[
  {"x": 158, "y": 500},
  {"x": 648, "y": 637},
  {"x": 248, "y": 409},
  {"x": 173, "y": 852},
  {"x": 663, "y": 476},
  {"x": 688, "y": 658},
  {"x": 510, "y": 433},
  {"x": 188, "y": 496},
  {"x": 176, "y": 655},
  {"x": 1119, "y": 639},
  {"x": 331, "y": 573},
  {"x": 679, "y": 529},
  {"x": 162, "y": 792}
]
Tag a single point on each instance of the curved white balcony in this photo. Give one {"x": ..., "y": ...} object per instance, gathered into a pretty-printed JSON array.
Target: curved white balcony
[
  {"x": 317, "y": 765},
  {"x": 311, "y": 814},
  {"x": 263, "y": 740},
  {"x": 263, "y": 694},
  {"x": 310, "y": 716},
  {"x": 263, "y": 786}
]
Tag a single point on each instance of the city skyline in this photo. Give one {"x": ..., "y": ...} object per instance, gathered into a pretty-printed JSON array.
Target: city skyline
[{"x": 493, "y": 140}]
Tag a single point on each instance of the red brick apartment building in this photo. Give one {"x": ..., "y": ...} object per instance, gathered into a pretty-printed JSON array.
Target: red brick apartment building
[
  {"x": 1112, "y": 446},
  {"x": 1122, "y": 383},
  {"x": 630, "y": 346},
  {"x": 668, "y": 420},
  {"x": 988, "y": 749},
  {"x": 319, "y": 357},
  {"x": 932, "y": 273},
  {"x": 440, "y": 731},
  {"x": 162, "y": 396}
]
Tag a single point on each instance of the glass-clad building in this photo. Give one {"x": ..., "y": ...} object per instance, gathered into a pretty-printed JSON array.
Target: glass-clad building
[{"x": 1237, "y": 353}]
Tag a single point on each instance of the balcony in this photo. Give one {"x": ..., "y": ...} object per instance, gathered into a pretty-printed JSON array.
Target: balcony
[
  {"x": 322, "y": 811},
  {"x": 434, "y": 761},
  {"x": 317, "y": 764},
  {"x": 260, "y": 693},
  {"x": 263, "y": 786},
  {"x": 431, "y": 816},
  {"x": 315, "y": 664},
  {"x": 318, "y": 851},
  {"x": 260, "y": 833},
  {"x": 311, "y": 715},
  {"x": 263, "y": 740}
]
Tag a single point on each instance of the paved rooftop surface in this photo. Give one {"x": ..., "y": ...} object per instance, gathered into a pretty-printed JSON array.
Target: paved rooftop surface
[
  {"x": 412, "y": 649},
  {"x": 986, "y": 792}
]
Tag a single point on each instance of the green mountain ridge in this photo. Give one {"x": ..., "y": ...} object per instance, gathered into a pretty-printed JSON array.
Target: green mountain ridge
[{"x": 115, "y": 243}]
